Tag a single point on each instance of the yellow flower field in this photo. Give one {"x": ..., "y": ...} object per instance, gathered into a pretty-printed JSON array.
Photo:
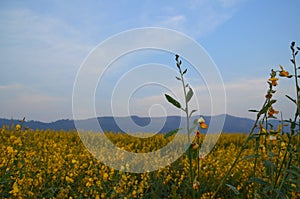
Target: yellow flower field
[{"x": 55, "y": 164}]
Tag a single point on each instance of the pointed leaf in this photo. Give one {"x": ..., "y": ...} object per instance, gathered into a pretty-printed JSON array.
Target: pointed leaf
[
  {"x": 184, "y": 71},
  {"x": 251, "y": 156},
  {"x": 293, "y": 61},
  {"x": 233, "y": 189},
  {"x": 252, "y": 110},
  {"x": 189, "y": 94},
  {"x": 293, "y": 100},
  {"x": 170, "y": 133},
  {"x": 178, "y": 78},
  {"x": 259, "y": 181},
  {"x": 293, "y": 172},
  {"x": 173, "y": 101}
]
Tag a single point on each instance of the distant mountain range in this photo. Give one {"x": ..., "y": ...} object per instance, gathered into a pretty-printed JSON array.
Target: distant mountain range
[{"x": 135, "y": 124}]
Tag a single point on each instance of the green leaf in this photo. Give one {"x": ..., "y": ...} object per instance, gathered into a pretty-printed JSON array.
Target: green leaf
[
  {"x": 251, "y": 110},
  {"x": 173, "y": 132},
  {"x": 233, "y": 189},
  {"x": 184, "y": 71},
  {"x": 251, "y": 156},
  {"x": 189, "y": 94},
  {"x": 293, "y": 172},
  {"x": 173, "y": 101},
  {"x": 178, "y": 78},
  {"x": 269, "y": 167},
  {"x": 259, "y": 181}
]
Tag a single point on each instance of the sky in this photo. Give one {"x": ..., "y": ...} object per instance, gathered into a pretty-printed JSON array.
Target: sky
[{"x": 43, "y": 45}]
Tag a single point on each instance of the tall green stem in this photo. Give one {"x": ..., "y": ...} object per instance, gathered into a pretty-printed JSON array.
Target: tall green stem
[{"x": 186, "y": 110}]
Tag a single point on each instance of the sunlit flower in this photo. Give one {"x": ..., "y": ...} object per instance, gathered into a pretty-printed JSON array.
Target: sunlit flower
[
  {"x": 272, "y": 111},
  {"x": 69, "y": 180},
  {"x": 202, "y": 123},
  {"x": 196, "y": 185},
  {"x": 18, "y": 127},
  {"x": 15, "y": 189},
  {"x": 105, "y": 176},
  {"x": 273, "y": 81},
  {"x": 10, "y": 149},
  {"x": 283, "y": 73}
]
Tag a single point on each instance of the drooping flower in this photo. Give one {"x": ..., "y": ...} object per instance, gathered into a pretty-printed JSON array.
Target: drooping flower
[
  {"x": 272, "y": 111},
  {"x": 202, "y": 123},
  {"x": 283, "y": 73},
  {"x": 273, "y": 81}
]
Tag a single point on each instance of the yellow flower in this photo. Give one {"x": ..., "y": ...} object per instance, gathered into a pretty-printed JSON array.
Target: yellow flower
[
  {"x": 283, "y": 73},
  {"x": 274, "y": 81},
  {"x": 18, "y": 127},
  {"x": 69, "y": 180},
  {"x": 105, "y": 176},
  {"x": 10, "y": 149},
  {"x": 15, "y": 189},
  {"x": 202, "y": 123},
  {"x": 272, "y": 111},
  {"x": 18, "y": 141}
]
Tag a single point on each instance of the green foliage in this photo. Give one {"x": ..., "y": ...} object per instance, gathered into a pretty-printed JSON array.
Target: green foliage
[{"x": 275, "y": 157}]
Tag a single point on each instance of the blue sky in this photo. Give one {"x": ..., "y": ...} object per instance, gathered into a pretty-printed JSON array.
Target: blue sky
[{"x": 43, "y": 44}]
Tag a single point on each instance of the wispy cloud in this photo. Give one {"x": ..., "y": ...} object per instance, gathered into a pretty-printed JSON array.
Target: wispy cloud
[{"x": 198, "y": 17}]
